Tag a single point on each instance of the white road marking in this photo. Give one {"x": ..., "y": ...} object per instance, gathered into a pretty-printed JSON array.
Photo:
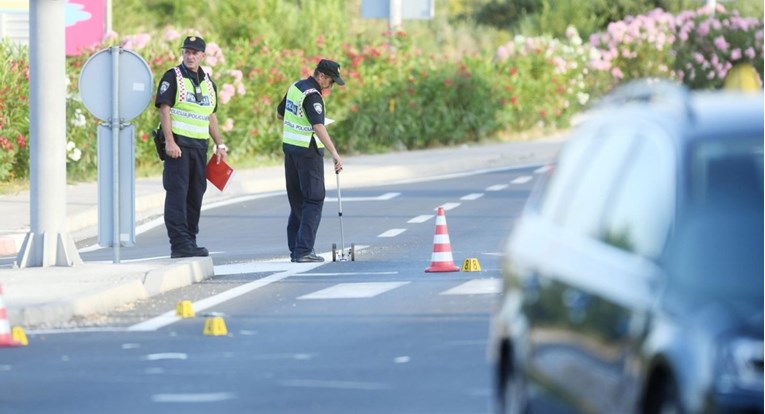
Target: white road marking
[
  {"x": 470, "y": 197},
  {"x": 349, "y": 274},
  {"x": 345, "y": 385},
  {"x": 193, "y": 398},
  {"x": 170, "y": 317},
  {"x": 522, "y": 179},
  {"x": 391, "y": 233},
  {"x": 421, "y": 219},
  {"x": 131, "y": 346},
  {"x": 448, "y": 206},
  {"x": 167, "y": 355},
  {"x": 354, "y": 290},
  {"x": 498, "y": 187},
  {"x": 401, "y": 360},
  {"x": 476, "y": 287},
  {"x": 543, "y": 169},
  {"x": 154, "y": 371},
  {"x": 384, "y": 197}
]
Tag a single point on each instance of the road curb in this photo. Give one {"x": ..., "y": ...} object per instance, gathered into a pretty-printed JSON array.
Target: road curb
[{"x": 107, "y": 294}]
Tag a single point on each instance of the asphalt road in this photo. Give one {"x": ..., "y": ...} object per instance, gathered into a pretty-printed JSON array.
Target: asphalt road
[{"x": 374, "y": 335}]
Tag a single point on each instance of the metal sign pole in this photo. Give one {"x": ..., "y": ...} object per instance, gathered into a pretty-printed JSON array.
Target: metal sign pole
[{"x": 115, "y": 123}]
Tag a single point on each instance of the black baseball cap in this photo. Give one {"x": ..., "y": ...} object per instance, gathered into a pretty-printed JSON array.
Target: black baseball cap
[
  {"x": 331, "y": 69},
  {"x": 194, "y": 42}
]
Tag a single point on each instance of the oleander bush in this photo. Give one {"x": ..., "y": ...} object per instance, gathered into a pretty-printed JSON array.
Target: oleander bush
[{"x": 399, "y": 95}]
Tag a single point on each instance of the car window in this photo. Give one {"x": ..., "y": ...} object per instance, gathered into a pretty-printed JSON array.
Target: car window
[
  {"x": 585, "y": 207},
  {"x": 727, "y": 172},
  {"x": 564, "y": 177},
  {"x": 720, "y": 253},
  {"x": 642, "y": 207}
]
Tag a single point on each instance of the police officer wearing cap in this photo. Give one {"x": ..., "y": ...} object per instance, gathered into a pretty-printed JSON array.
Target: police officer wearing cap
[
  {"x": 187, "y": 101},
  {"x": 302, "y": 111}
]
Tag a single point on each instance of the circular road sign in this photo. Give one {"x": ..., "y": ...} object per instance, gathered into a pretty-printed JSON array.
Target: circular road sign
[{"x": 136, "y": 84}]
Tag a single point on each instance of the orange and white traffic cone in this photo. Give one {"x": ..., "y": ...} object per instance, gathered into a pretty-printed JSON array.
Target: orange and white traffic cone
[
  {"x": 6, "y": 337},
  {"x": 441, "y": 260}
]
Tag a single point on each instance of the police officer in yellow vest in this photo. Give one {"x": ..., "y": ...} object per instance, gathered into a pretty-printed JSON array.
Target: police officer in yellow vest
[
  {"x": 187, "y": 101},
  {"x": 302, "y": 111}
]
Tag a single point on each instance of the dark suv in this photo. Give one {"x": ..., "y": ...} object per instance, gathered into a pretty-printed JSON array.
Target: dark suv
[{"x": 633, "y": 281}]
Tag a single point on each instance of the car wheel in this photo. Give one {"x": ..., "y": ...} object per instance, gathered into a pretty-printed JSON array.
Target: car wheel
[
  {"x": 666, "y": 401},
  {"x": 513, "y": 397}
]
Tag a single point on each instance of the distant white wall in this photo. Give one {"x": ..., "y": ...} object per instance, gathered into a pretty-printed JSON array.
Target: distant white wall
[{"x": 15, "y": 26}]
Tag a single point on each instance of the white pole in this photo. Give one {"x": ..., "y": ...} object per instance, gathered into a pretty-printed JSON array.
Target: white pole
[
  {"x": 47, "y": 243},
  {"x": 116, "y": 151},
  {"x": 394, "y": 16}
]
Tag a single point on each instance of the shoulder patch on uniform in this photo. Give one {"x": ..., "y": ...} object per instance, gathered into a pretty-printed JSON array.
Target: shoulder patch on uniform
[
  {"x": 163, "y": 87},
  {"x": 318, "y": 108}
]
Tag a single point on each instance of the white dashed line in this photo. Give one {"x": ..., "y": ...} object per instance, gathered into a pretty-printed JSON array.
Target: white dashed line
[
  {"x": 170, "y": 355},
  {"x": 470, "y": 197},
  {"x": 521, "y": 180},
  {"x": 391, "y": 233},
  {"x": 498, "y": 187},
  {"x": 421, "y": 219},
  {"x": 542, "y": 170},
  {"x": 449, "y": 206},
  {"x": 384, "y": 197},
  {"x": 193, "y": 398}
]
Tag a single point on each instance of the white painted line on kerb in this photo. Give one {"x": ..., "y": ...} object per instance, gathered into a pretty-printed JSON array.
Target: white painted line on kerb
[
  {"x": 470, "y": 197},
  {"x": 421, "y": 219},
  {"x": 498, "y": 187},
  {"x": 354, "y": 290},
  {"x": 521, "y": 180},
  {"x": 476, "y": 287},
  {"x": 391, "y": 233},
  {"x": 449, "y": 206}
]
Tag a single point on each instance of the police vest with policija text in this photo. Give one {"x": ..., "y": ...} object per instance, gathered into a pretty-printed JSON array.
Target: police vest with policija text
[
  {"x": 189, "y": 117},
  {"x": 298, "y": 130}
]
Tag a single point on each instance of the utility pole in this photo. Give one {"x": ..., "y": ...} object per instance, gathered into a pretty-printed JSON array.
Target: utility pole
[{"x": 48, "y": 243}]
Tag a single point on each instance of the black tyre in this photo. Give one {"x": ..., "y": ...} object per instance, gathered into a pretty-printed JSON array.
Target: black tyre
[
  {"x": 353, "y": 252},
  {"x": 512, "y": 398},
  {"x": 334, "y": 252},
  {"x": 665, "y": 399}
]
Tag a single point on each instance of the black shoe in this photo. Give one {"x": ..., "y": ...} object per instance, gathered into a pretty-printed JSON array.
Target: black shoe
[
  {"x": 310, "y": 258},
  {"x": 190, "y": 251}
]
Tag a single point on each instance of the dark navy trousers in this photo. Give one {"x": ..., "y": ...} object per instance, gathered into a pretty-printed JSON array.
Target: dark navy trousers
[
  {"x": 304, "y": 174},
  {"x": 185, "y": 184}
]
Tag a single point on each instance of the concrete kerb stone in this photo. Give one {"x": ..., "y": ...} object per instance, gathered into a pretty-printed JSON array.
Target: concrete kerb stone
[{"x": 111, "y": 287}]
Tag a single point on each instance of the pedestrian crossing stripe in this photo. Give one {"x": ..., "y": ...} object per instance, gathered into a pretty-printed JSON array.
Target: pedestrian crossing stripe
[
  {"x": 354, "y": 290},
  {"x": 476, "y": 287}
]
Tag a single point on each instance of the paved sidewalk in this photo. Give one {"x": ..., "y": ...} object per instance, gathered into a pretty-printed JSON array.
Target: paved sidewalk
[{"x": 54, "y": 296}]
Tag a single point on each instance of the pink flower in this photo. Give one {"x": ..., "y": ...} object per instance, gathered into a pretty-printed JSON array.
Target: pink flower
[
  {"x": 750, "y": 53},
  {"x": 228, "y": 125},
  {"x": 502, "y": 53},
  {"x": 617, "y": 73},
  {"x": 226, "y": 92},
  {"x": 171, "y": 35},
  {"x": 735, "y": 54},
  {"x": 721, "y": 44},
  {"x": 109, "y": 36}
]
